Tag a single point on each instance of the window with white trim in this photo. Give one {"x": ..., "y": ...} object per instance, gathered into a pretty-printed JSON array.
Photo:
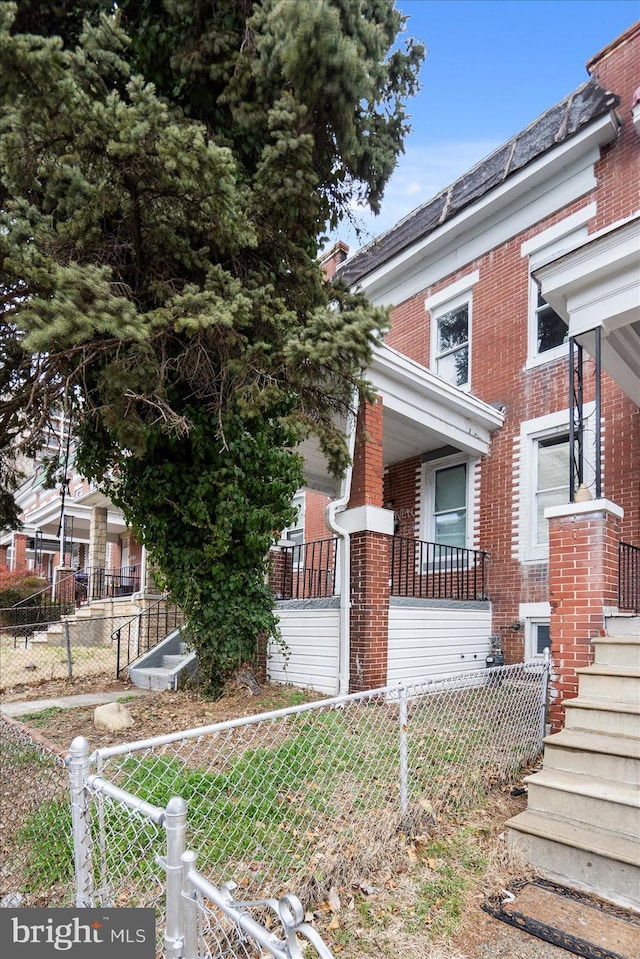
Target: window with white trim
[
  {"x": 294, "y": 535},
  {"x": 547, "y": 331},
  {"x": 536, "y": 618},
  {"x": 450, "y": 505},
  {"x": 451, "y": 334},
  {"x": 541, "y": 477},
  {"x": 446, "y": 502},
  {"x": 550, "y": 330},
  {"x": 552, "y": 480}
]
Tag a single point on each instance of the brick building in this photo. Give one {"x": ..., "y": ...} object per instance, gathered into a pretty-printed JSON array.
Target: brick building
[{"x": 507, "y": 424}]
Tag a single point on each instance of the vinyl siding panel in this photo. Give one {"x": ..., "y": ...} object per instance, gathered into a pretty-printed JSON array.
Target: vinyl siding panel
[
  {"x": 430, "y": 641},
  {"x": 312, "y": 637}
]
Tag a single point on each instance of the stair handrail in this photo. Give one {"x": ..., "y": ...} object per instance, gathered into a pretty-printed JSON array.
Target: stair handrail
[
  {"x": 25, "y": 616},
  {"x": 39, "y": 592},
  {"x": 153, "y": 610}
]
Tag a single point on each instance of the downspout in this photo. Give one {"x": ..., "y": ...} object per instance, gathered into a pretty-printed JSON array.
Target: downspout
[{"x": 338, "y": 506}]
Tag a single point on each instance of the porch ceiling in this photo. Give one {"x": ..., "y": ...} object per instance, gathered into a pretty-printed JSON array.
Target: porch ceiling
[
  {"x": 421, "y": 413},
  {"x": 598, "y": 286}
]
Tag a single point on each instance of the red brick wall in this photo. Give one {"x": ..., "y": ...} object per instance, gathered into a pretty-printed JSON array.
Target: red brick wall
[
  {"x": 333, "y": 258},
  {"x": 402, "y": 495},
  {"x": 315, "y": 527},
  {"x": 367, "y": 478},
  {"x": 370, "y": 555},
  {"x": 583, "y": 570},
  {"x": 20, "y": 553},
  {"x": 616, "y": 68}
]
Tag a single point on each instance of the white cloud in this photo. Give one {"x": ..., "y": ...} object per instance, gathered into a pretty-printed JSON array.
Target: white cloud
[{"x": 421, "y": 173}]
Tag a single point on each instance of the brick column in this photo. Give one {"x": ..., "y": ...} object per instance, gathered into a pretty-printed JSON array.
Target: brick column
[
  {"x": 370, "y": 567},
  {"x": 583, "y": 582},
  {"x": 367, "y": 480},
  {"x": 370, "y": 527},
  {"x": 97, "y": 550},
  {"x": 20, "y": 553}
]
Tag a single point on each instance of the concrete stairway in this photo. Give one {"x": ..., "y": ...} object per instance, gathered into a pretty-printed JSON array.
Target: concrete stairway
[
  {"x": 581, "y": 827},
  {"x": 165, "y": 665},
  {"x": 89, "y": 625}
]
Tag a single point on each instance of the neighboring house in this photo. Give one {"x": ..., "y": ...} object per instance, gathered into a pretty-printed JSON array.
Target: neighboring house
[
  {"x": 71, "y": 526},
  {"x": 507, "y": 416}
]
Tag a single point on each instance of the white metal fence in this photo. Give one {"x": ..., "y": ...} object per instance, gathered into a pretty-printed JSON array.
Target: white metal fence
[{"x": 308, "y": 798}]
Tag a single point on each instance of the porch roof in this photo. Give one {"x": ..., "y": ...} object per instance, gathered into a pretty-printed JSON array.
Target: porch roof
[
  {"x": 596, "y": 286},
  {"x": 422, "y": 413}
]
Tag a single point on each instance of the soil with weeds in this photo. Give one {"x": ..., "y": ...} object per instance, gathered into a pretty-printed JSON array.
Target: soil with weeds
[{"x": 424, "y": 903}]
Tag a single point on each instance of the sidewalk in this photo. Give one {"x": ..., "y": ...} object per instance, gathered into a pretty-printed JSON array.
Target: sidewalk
[{"x": 25, "y": 707}]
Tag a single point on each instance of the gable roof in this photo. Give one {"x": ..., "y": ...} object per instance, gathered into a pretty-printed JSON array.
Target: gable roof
[{"x": 586, "y": 104}]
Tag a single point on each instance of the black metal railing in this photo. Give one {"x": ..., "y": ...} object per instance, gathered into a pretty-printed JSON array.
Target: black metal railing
[
  {"x": 95, "y": 583},
  {"x": 629, "y": 577},
  {"x": 304, "y": 570},
  {"x": 431, "y": 571},
  {"x": 144, "y": 631},
  {"x": 40, "y": 609}
]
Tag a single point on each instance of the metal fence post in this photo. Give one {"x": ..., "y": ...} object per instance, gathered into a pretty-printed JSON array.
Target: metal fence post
[
  {"x": 404, "y": 764},
  {"x": 78, "y": 763},
  {"x": 544, "y": 692},
  {"x": 67, "y": 646},
  {"x": 175, "y": 821},
  {"x": 190, "y": 908}
]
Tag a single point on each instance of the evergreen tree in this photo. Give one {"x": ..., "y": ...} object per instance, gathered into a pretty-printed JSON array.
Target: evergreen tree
[{"x": 167, "y": 176}]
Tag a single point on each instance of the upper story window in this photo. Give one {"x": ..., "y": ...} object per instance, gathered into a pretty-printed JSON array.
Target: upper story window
[
  {"x": 550, "y": 329},
  {"x": 547, "y": 332},
  {"x": 452, "y": 344},
  {"x": 451, "y": 330}
]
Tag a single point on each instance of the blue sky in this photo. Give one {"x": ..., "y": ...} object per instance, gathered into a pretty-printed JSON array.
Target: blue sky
[{"x": 492, "y": 67}]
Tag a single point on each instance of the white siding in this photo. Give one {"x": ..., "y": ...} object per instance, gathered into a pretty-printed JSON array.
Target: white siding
[
  {"x": 428, "y": 641},
  {"x": 312, "y": 637}
]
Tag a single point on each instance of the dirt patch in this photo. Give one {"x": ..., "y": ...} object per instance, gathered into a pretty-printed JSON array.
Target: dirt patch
[
  {"x": 409, "y": 909},
  {"x": 153, "y": 714}
]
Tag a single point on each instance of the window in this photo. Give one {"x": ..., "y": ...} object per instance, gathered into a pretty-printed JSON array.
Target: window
[
  {"x": 447, "y": 499},
  {"x": 450, "y": 506},
  {"x": 552, "y": 485},
  {"x": 540, "y": 638},
  {"x": 451, "y": 361},
  {"x": 550, "y": 329},
  {"x": 294, "y": 535},
  {"x": 541, "y": 478},
  {"x": 547, "y": 330}
]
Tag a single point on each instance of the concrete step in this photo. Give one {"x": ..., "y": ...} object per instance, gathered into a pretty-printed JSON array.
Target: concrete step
[
  {"x": 585, "y": 800},
  {"x": 605, "y": 716},
  {"x": 617, "y": 650},
  {"x": 152, "y": 677},
  {"x": 171, "y": 660},
  {"x": 590, "y": 858},
  {"x": 85, "y": 613},
  {"x": 621, "y": 683},
  {"x": 623, "y": 624},
  {"x": 595, "y": 754}
]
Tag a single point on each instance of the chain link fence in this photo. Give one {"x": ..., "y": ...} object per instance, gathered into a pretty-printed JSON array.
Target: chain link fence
[
  {"x": 316, "y": 796},
  {"x": 34, "y": 810},
  {"x": 72, "y": 648},
  {"x": 308, "y": 798}
]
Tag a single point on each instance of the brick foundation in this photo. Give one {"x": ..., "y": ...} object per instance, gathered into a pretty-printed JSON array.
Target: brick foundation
[{"x": 583, "y": 580}]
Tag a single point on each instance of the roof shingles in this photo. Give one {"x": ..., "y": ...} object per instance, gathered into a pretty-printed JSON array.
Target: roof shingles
[{"x": 586, "y": 104}]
